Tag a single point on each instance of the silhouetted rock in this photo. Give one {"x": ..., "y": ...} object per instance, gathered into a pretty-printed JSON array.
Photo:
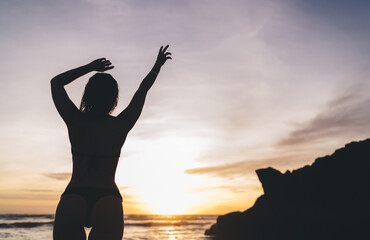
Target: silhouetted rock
[{"x": 328, "y": 200}]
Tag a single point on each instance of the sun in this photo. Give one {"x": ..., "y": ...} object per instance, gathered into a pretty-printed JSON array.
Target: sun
[
  {"x": 167, "y": 190},
  {"x": 171, "y": 199},
  {"x": 160, "y": 182}
]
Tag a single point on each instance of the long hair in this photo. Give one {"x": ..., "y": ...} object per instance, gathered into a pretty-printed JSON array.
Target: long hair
[{"x": 101, "y": 95}]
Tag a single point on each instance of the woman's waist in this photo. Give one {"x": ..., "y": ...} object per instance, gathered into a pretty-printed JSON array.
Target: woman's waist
[
  {"x": 94, "y": 167},
  {"x": 83, "y": 170},
  {"x": 93, "y": 182}
]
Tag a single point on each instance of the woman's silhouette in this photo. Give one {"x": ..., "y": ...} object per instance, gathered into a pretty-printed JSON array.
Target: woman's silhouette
[{"x": 92, "y": 198}]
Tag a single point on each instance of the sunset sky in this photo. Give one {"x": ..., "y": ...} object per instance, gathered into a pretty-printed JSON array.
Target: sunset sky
[{"x": 252, "y": 84}]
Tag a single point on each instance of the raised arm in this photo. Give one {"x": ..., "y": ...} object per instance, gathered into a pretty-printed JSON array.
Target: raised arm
[
  {"x": 131, "y": 114},
  {"x": 62, "y": 102}
]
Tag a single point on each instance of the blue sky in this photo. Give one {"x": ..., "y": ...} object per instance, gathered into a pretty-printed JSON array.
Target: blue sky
[{"x": 252, "y": 84}]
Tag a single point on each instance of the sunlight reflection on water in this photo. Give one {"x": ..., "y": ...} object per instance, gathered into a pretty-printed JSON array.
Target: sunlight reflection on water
[{"x": 168, "y": 227}]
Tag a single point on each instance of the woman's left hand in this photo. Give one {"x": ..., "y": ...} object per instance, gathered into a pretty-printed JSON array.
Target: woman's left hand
[
  {"x": 163, "y": 56},
  {"x": 101, "y": 65}
]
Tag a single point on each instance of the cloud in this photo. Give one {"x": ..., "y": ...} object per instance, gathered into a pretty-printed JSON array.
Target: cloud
[
  {"x": 346, "y": 116},
  {"x": 58, "y": 176},
  {"x": 228, "y": 188},
  {"x": 29, "y": 194},
  {"x": 242, "y": 168},
  {"x": 123, "y": 188},
  {"x": 40, "y": 190}
]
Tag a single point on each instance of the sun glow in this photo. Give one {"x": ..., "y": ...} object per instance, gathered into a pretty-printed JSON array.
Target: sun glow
[
  {"x": 161, "y": 185},
  {"x": 172, "y": 200}
]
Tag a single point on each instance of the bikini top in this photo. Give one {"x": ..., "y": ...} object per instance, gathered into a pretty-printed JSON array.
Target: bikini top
[{"x": 76, "y": 153}]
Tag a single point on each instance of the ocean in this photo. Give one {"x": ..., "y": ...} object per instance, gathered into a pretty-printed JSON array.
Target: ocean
[{"x": 137, "y": 227}]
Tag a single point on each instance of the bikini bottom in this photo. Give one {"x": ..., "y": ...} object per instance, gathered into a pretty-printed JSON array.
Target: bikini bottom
[{"x": 91, "y": 196}]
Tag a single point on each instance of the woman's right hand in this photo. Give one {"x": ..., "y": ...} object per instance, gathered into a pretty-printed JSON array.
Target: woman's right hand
[
  {"x": 100, "y": 65},
  {"x": 163, "y": 56}
]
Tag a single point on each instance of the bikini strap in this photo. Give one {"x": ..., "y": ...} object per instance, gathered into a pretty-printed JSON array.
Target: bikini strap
[{"x": 76, "y": 153}]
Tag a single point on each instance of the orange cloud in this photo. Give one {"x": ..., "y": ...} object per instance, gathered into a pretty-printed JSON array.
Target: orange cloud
[{"x": 58, "y": 176}]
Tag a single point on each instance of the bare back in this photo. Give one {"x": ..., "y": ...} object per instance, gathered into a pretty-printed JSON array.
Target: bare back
[{"x": 96, "y": 143}]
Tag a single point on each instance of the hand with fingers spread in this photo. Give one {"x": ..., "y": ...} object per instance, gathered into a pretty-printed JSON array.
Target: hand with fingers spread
[
  {"x": 163, "y": 56},
  {"x": 101, "y": 65},
  {"x": 132, "y": 113}
]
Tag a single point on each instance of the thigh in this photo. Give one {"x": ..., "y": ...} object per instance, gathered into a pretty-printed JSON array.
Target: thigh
[
  {"x": 107, "y": 219},
  {"x": 70, "y": 217}
]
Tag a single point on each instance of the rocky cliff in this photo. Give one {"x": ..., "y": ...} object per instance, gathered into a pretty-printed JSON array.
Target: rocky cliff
[{"x": 328, "y": 200}]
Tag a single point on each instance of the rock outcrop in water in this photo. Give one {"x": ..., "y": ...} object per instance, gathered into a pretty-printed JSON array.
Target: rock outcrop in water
[{"x": 328, "y": 200}]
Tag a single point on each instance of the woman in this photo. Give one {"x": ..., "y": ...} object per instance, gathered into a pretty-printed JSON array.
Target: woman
[{"x": 92, "y": 198}]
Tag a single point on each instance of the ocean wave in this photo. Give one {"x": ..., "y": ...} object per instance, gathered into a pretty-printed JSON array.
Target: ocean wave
[
  {"x": 25, "y": 224},
  {"x": 22, "y": 216},
  {"x": 138, "y": 224},
  {"x": 8, "y": 221}
]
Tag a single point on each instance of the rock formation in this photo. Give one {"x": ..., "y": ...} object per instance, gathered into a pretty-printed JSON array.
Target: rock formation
[{"x": 328, "y": 200}]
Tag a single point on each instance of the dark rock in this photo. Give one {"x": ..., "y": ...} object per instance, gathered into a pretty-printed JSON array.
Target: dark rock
[{"x": 328, "y": 200}]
